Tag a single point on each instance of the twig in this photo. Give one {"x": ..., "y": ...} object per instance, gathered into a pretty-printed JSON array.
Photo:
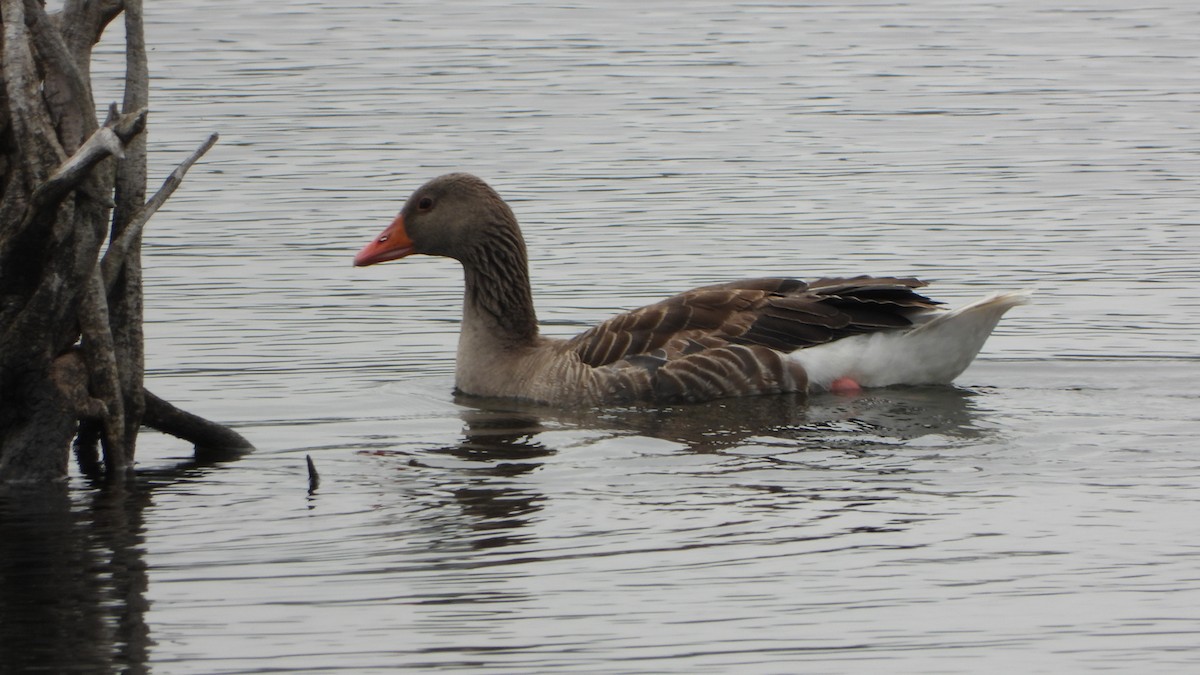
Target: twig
[
  {"x": 119, "y": 248},
  {"x": 314, "y": 478}
]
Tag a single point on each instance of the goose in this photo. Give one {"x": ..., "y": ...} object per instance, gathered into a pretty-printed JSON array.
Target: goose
[{"x": 740, "y": 338}]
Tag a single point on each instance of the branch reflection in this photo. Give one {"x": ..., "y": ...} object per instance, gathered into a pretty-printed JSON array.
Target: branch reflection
[{"x": 73, "y": 576}]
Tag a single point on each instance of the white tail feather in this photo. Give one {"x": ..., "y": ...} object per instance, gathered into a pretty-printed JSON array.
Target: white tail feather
[{"x": 936, "y": 351}]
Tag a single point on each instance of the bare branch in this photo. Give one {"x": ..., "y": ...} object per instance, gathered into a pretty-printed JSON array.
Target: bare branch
[
  {"x": 106, "y": 142},
  {"x": 66, "y": 90},
  {"x": 114, "y": 257},
  {"x": 126, "y": 301},
  {"x": 104, "y": 373},
  {"x": 100, "y": 145},
  {"x": 131, "y": 175},
  {"x": 46, "y": 300},
  {"x": 137, "y": 66},
  {"x": 82, "y": 22},
  {"x": 35, "y": 138}
]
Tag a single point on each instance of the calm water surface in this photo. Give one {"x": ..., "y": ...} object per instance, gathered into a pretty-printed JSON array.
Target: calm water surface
[{"x": 1040, "y": 516}]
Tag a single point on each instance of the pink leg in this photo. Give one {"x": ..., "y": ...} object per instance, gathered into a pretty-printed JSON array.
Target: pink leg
[{"x": 845, "y": 386}]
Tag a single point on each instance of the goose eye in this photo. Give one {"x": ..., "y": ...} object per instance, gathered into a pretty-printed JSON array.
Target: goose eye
[{"x": 425, "y": 204}]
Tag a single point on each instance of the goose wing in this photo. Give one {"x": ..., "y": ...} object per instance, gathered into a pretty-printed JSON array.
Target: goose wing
[{"x": 776, "y": 313}]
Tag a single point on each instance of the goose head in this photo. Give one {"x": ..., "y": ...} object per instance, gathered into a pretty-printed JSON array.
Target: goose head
[{"x": 456, "y": 215}]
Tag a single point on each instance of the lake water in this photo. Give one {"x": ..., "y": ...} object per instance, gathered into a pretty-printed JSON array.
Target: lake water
[{"x": 1039, "y": 517}]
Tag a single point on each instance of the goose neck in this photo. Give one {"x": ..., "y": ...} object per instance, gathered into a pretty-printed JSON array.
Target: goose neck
[{"x": 498, "y": 297}]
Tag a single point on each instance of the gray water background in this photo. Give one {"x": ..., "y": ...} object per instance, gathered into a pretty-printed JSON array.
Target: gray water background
[{"x": 1041, "y": 516}]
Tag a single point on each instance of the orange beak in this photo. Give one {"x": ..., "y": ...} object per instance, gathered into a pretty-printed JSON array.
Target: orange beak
[{"x": 391, "y": 244}]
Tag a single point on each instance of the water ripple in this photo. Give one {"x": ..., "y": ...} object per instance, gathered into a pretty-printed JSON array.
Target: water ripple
[{"x": 1036, "y": 514}]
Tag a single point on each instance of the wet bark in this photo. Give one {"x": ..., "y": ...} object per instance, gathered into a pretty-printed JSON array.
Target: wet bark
[{"x": 71, "y": 186}]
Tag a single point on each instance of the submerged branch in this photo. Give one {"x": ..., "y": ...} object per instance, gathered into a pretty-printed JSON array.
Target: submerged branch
[
  {"x": 314, "y": 478},
  {"x": 205, "y": 435}
]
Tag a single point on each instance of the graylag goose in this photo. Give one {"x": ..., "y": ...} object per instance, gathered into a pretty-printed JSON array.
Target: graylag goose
[{"x": 742, "y": 338}]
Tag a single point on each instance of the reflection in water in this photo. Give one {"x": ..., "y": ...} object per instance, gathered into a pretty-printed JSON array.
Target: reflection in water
[
  {"x": 885, "y": 416},
  {"x": 543, "y": 501},
  {"x": 73, "y": 578},
  {"x": 503, "y": 440},
  {"x": 504, "y": 430},
  {"x": 505, "y": 444}
]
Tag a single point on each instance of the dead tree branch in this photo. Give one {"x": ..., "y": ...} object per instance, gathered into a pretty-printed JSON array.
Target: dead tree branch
[
  {"x": 104, "y": 373},
  {"x": 125, "y": 299},
  {"x": 67, "y": 91},
  {"x": 104, "y": 143},
  {"x": 114, "y": 257},
  {"x": 42, "y": 209},
  {"x": 71, "y": 341}
]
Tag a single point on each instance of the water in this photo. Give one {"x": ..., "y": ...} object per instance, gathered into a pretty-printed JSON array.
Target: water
[{"x": 1040, "y": 516}]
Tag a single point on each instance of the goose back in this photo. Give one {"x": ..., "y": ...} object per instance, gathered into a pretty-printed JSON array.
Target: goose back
[{"x": 730, "y": 339}]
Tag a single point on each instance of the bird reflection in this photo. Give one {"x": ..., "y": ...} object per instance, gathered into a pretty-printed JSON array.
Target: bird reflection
[
  {"x": 496, "y": 432},
  {"x": 500, "y": 444},
  {"x": 502, "y": 439}
]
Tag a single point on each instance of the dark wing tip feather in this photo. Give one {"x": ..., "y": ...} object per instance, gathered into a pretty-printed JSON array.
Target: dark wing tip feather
[{"x": 833, "y": 308}]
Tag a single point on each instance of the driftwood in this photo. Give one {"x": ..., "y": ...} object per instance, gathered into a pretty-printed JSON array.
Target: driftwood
[{"x": 71, "y": 342}]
